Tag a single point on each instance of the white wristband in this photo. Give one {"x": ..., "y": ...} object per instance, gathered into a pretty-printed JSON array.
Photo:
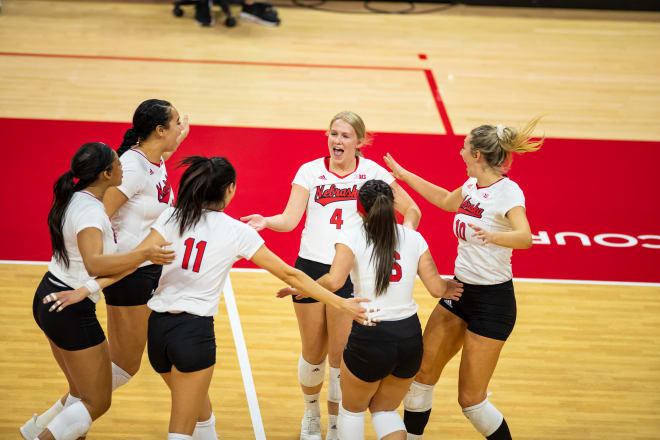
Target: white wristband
[{"x": 93, "y": 286}]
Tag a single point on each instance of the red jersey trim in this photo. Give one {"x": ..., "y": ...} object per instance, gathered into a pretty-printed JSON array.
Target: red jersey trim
[
  {"x": 488, "y": 186},
  {"x": 145, "y": 156},
  {"x": 326, "y": 162}
]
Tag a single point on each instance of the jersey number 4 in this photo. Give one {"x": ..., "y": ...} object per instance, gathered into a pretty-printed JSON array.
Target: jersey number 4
[
  {"x": 201, "y": 246},
  {"x": 336, "y": 218}
]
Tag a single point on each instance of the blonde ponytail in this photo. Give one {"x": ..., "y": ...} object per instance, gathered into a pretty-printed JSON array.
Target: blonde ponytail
[{"x": 497, "y": 143}]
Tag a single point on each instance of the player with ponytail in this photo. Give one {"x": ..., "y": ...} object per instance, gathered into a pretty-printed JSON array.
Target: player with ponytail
[
  {"x": 379, "y": 362},
  {"x": 84, "y": 247},
  {"x": 490, "y": 222},
  {"x": 133, "y": 206}
]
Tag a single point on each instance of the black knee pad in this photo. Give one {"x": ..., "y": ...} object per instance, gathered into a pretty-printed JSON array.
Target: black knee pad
[
  {"x": 416, "y": 421},
  {"x": 502, "y": 433}
]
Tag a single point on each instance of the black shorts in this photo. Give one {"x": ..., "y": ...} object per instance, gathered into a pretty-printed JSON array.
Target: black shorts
[
  {"x": 315, "y": 271},
  {"x": 135, "y": 289},
  {"x": 181, "y": 339},
  {"x": 489, "y": 311},
  {"x": 75, "y": 327},
  {"x": 390, "y": 347}
]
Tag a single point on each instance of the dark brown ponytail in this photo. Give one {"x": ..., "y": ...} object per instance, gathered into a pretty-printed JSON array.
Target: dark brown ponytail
[{"x": 380, "y": 226}]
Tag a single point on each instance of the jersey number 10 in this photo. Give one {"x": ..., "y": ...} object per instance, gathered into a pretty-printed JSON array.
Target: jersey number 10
[
  {"x": 459, "y": 229},
  {"x": 201, "y": 246}
]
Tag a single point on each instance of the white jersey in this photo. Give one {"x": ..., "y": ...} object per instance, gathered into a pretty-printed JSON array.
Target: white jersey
[
  {"x": 332, "y": 205},
  {"x": 84, "y": 211},
  {"x": 204, "y": 255},
  {"x": 485, "y": 207},
  {"x": 149, "y": 193},
  {"x": 397, "y": 301}
]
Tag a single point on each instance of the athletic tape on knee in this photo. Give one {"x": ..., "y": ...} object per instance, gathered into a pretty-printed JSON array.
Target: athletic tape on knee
[
  {"x": 70, "y": 400},
  {"x": 48, "y": 415},
  {"x": 419, "y": 397},
  {"x": 334, "y": 389},
  {"x": 484, "y": 417},
  {"x": 310, "y": 375},
  {"x": 350, "y": 425},
  {"x": 119, "y": 376},
  {"x": 73, "y": 422},
  {"x": 205, "y": 430},
  {"x": 387, "y": 422}
]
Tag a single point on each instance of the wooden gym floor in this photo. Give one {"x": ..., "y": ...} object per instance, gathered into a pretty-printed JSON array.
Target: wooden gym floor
[{"x": 583, "y": 361}]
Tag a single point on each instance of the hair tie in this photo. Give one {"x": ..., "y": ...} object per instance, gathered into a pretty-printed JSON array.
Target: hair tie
[
  {"x": 360, "y": 208},
  {"x": 500, "y": 131}
]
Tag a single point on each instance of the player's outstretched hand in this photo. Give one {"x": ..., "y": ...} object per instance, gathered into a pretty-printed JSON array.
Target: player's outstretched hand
[
  {"x": 65, "y": 298},
  {"x": 481, "y": 234},
  {"x": 398, "y": 172},
  {"x": 357, "y": 311},
  {"x": 255, "y": 221},
  {"x": 160, "y": 255}
]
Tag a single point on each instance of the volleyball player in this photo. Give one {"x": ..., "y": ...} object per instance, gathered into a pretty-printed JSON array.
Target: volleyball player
[
  {"x": 490, "y": 222},
  {"x": 379, "y": 363},
  {"x": 207, "y": 242},
  {"x": 133, "y": 206},
  {"x": 83, "y": 247},
  {"x": 326, "y": 189}
]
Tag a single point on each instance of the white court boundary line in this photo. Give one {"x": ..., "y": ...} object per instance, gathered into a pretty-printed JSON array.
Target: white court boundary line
[
  {"x": 243, "y": 361},
  {"x": 241, "y": 352},
  {"x": 521, "y": 280}
]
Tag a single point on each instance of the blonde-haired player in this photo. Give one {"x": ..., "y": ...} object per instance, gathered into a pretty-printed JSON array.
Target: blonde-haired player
[{"x": 326, "y": 189}]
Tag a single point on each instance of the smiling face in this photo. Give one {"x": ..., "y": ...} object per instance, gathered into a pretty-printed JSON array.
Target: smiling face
[
  {"x": 343, "y": 144},
  {"x": 470, "y": 157},
  {"x": 171, "y": 133},
  {"x": 116, "y": 173}
]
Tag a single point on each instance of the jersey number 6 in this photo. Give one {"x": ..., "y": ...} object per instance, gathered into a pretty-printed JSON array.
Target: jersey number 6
[
  {"x": 201, "y": 246},
  {"x": 397, "y": 272}
]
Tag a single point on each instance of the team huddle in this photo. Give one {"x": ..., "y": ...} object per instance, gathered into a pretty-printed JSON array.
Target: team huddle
[{"x": 161, "y": 261}]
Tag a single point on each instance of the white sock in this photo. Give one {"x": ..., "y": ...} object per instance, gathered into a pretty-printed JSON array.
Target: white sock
[
  {"x": 119, "y": 376},
  {"x": 410, "y": 436},
  {"x": 205, "y": 430},
  {"x": 70, "y": 400},
  {"x": 332, "y": 427},
  {"x": 312, "y": 403},
  {"x": 44, "y": 419},
  {"x": 332, "y": 421},
  {"x": 174, "y": 436}
]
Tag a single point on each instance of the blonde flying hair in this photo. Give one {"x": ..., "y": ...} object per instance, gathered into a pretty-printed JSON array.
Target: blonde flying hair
[
  {"x": 497, "y": 143},
  {"x": 355, "y": 121}
]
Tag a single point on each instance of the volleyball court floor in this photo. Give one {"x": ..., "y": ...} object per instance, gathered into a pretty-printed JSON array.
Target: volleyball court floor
[{"x": 591, "y": 207}]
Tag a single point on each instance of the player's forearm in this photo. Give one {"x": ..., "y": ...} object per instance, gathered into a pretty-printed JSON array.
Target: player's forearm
[
  {"x": 433, "y": 193},
  {"x": 512, "y": 239},
  {"x": 112, "y": 264},
  {"x": 281, "y": 223},
  {"x": 298, "y": 280}
]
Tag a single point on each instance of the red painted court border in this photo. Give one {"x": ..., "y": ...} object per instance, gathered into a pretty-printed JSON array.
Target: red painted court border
[
  {"x": 438, "y": 102},
  {"x": 429, "y": 75}
]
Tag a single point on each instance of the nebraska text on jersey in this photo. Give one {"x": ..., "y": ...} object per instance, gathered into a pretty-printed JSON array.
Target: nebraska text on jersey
[
  {"x": 468, "y": 208},
  {"x": 333, "y": 194}
]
